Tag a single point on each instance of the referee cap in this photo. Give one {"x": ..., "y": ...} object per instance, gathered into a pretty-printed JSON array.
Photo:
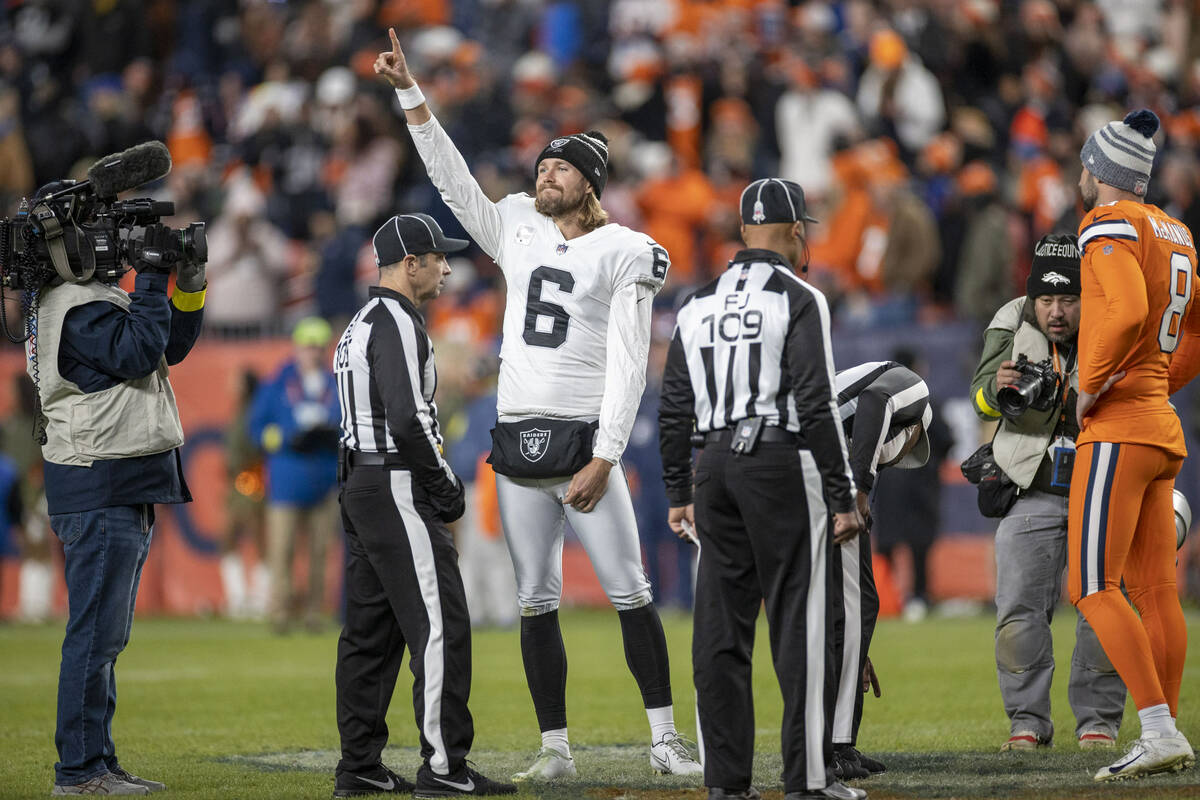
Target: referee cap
[
  {"x": 919, "y": 455},
  {"x": 411, "y": 235},
  {"x": 773, "y": 200}
]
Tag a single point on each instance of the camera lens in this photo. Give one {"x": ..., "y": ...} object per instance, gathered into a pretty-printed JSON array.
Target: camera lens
[{"x": 1015, "y": 398}]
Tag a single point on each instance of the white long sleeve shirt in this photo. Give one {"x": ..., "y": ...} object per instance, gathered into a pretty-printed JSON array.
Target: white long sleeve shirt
[{"x": 577, "y": 313}]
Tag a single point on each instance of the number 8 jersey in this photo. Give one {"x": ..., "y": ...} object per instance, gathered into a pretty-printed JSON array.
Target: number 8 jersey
[
  {"x": 577, "y": 313},
  {"x": 1138, "y": 275}
]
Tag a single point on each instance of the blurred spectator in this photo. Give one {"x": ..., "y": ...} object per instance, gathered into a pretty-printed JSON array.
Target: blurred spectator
[
  {"x": 668, "y": 558},
  {"x": 35, "y": 542},
  {"x": 985, "y": 266},
  {"x": 907, "y": 507},
  {"x": 812, "y": 122},
  {"x": 898, "y": 96},
  {"x": 247, "y": 258},
  {"x": 486, "y": 565},
  {"x": 16, "y": 170},
  {"x": 294, "y": 418},
  {"x": 12, "y": 511},
  {"x": 676, "y": 203},
  {"x": 244, "y": 598}
]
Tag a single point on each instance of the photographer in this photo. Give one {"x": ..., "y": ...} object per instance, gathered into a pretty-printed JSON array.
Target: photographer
[
  {"x": 111, "y": 451},
  {"x": 1034, "y": 447}
]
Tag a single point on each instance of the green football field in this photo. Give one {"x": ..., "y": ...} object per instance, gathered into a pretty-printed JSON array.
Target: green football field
[{"x": 226, "y": 710}]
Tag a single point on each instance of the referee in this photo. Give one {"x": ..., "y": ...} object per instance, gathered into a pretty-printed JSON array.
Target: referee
[
  {"x": 885, "y": 412},
  {"x": 402, "y": 581},
  {"x": 750, "y": 365}
]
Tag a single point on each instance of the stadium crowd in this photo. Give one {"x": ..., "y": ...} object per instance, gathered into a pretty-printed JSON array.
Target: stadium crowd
[{"x": 936, "y": 141}]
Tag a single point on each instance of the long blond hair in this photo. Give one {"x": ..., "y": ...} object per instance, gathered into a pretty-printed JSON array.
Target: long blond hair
[{"x": 591, "y": 215}]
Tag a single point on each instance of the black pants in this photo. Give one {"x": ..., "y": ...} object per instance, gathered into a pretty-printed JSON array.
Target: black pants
[
  {"x": 403, "y": 587},
  {"x": 762, "y": 522},
  {"x": 855, "y": 604}
]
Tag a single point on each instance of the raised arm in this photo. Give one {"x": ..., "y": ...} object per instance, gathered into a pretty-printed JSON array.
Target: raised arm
[{"x": 443, "y": 162}]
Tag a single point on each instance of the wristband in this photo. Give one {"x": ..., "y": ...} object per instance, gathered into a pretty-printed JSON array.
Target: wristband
[{"x": 411, "y": 97}]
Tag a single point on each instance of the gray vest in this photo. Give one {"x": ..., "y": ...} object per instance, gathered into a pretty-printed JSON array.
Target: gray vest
[
  {"x": 1020, "y": 444},
  {"x": 133, "y": 418}
]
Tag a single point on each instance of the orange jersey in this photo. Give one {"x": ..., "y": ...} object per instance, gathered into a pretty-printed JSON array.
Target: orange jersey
[{"x": 1137, "y": 283}]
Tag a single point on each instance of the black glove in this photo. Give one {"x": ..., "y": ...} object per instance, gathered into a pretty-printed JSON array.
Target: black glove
[
  {"x": 450, "y": 508},
  {"x": 161, "y": 249}
]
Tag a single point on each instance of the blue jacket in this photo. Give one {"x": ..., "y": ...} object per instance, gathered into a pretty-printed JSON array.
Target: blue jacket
[
  {"x": 303, "y": 468},
  {"x": 103, "y": 345}
]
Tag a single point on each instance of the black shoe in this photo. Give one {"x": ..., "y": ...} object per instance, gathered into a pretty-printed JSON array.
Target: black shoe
[
  {"x": 834, "y": 791},
  {"x": 733, "y": 794},
  {"x": 847, "y": 768},
  {"x": 849, "y": 752},
  {"x": 379, "y": 780},
  {"x": 871, "y": 765},
  {"x": 466, "y": 781}
]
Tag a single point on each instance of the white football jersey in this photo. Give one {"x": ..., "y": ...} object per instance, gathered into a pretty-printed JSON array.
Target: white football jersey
[{"x": 552, "y": 361}]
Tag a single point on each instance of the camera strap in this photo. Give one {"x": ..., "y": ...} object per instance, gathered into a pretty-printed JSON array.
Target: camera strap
[{"x": 52, "y": 234}]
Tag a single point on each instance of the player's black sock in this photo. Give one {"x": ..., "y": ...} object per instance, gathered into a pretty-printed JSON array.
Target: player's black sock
[
  {"x": 646, "y": 654},
  {"x": 545, "y": 660}
]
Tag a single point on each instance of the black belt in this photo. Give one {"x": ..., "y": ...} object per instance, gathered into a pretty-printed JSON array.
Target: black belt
[
  {"x": 358, "y": 458},
  {"x": 770, "y": 433}
]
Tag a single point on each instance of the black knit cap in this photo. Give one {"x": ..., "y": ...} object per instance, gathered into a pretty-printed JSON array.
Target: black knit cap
[
  {"x": 1055, "y": 266},
  {"x": 587, "y": 152}
]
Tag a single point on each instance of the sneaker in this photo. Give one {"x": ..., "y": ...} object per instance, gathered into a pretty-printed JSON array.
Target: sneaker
[
  {"x": 915, "y": 610},
  {"x": 1097, "y": 740},
  {"x": 549, "y": 765},
  {"x": 466, "y": 781},
  {"x": 379, "y": 780},
  {"x": 153, "y": 786},
  {"x": 751, "y": 793},
  {"x": 1151, "y": 754},
  {"x": 1023, "y": 740},
  {"x": 871, "y": 765},
  {"x": 674, "y": 755},
  {"x": 104, "y": 783},
  {"x": 834, "y": 791}
]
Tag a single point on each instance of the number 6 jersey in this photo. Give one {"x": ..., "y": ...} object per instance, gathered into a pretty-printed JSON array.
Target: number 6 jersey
[
  {"x": 577, "y": 312},
  {"x": 1138, "y": 276}
]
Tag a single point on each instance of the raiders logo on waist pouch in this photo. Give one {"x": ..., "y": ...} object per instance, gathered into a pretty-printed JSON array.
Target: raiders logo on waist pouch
[{"x": 541, "y": 447}]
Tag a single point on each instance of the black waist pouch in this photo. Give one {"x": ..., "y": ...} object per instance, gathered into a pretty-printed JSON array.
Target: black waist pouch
[
  {"x": 541, "y": 447},
  {"x": 997, "y": 492}
]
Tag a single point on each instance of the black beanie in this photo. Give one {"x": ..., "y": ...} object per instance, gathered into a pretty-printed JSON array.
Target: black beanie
[
  {"x": 587, "y": 152},
  {"x": 1055, "y": 266}
]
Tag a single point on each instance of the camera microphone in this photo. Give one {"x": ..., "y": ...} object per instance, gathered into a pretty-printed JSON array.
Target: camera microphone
[{"x": 129, "y": 169}]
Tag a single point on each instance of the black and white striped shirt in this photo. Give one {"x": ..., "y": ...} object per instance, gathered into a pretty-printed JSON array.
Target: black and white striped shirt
[
  {"x": 754, "y": 342},
  {"x": 878, "y": 401},
  {"x": 386, "y": 380}
]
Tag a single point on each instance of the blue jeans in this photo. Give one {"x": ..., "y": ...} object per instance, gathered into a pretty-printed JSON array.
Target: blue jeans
[{"x": 105, "y": 550}]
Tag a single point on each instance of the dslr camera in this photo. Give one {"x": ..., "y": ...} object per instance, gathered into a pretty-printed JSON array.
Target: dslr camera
[
  {"x": 1037, "y": 388},
  {"x": 76, "y": 231}
]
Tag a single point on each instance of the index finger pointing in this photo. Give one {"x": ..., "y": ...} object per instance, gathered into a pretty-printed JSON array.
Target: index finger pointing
[{"x": 395, "y": 41}]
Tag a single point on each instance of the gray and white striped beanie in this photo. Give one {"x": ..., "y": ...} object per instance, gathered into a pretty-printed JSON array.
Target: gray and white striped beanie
[{"x": 1121, "y": 154}]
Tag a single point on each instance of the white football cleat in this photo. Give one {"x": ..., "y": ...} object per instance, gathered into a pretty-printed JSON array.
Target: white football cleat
[
  {"x": 549, "y": 765},
  {"x": 1151, "y": 754},
  {"x": 672, "y": 755}
]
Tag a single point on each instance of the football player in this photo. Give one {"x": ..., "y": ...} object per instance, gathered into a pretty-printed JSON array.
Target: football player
[
  {"x": 576, "y": 335},
  {"x": 1137, "y": 283}
]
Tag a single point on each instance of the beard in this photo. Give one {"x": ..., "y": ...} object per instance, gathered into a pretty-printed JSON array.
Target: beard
[
  {"x": 1089, "y": 193},
  {"x": 557, "y": 204}
]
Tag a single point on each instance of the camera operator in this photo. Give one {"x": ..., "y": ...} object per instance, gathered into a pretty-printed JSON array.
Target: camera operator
[
  {"x": 1035, "y": 449},
  {"x": 111, "y": 453}
]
